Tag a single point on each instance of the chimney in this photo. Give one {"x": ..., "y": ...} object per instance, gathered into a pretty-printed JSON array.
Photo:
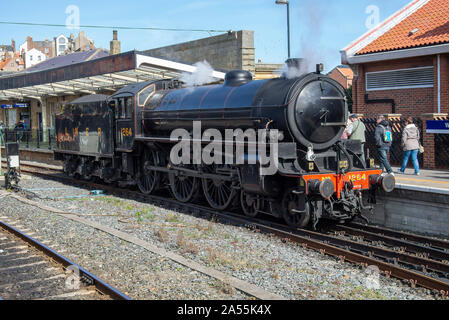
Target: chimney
[
  {"x": 29, "y": 43},
  {"x": 13, "y": 45},
  {"x": 115, "y": 44}
]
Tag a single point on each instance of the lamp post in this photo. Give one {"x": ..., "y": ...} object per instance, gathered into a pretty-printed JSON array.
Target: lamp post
[{"x": 282, "y": 2}]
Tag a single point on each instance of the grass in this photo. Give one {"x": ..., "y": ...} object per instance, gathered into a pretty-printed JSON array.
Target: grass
[
  {"x": 365, "y": 293},
  {"x": 173, "y": 218},
  {"x": 223, "y": 286},
  {"x": 161, "y": 234},
  {"x": 185, "y": 245}
]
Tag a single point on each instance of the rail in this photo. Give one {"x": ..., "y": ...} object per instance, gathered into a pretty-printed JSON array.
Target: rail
[
  {"x": 85, "y": 276},
  {"x": 410, "y": 259}
]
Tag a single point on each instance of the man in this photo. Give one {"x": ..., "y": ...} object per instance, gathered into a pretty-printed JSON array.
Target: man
[
  {"x": 19, "y": 128},
  {"x": 384, "y": 140},
  {"x": 356, "y": 131}
]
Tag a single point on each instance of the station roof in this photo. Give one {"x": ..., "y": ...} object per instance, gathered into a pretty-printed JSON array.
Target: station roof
[
  {"x": 420, "y": 28},
  {"x": 66, "y": 76}
]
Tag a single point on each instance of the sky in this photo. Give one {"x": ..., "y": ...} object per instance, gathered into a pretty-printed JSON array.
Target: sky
[{"x": 319, "y": 28}]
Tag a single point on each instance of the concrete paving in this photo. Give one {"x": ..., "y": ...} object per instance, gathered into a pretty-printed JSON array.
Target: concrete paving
[{"x": 428, "y": 180}]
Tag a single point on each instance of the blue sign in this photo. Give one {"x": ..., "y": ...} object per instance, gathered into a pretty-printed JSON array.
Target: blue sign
[
  {"x": 17, "y": 105},
  {"x": 21, "y": 105},
  {"x": 438, "y": 126}
]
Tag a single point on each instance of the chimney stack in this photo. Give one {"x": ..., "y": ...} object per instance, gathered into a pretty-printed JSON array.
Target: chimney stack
[
  {"x": 13, "y": 45},
  {"x": 115, "y": 44},
  {"x": 29, "y": 43}
]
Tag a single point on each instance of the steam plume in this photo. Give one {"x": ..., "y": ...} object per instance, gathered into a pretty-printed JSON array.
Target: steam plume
[{"x": 201, "y": 76}]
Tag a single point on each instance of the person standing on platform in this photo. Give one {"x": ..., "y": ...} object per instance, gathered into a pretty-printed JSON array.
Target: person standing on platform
[
  {"x": 356, "y": 131},
  {"x": 384, "y": 140},
  {"x": 410, "y": 145}
]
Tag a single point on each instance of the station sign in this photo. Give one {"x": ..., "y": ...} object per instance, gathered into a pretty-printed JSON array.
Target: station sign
[
  {"x": 438, "y": 126},
  {"x": 16, "y": 105}
]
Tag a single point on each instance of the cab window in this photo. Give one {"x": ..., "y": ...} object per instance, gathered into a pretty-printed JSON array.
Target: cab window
[
  {"x": 124, "y": 108},
  {"x": 154, "y": 100},
  {"x": 145, "y": 94}
]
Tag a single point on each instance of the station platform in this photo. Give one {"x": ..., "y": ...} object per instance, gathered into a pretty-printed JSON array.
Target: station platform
[{"x": 433, "y": 181}]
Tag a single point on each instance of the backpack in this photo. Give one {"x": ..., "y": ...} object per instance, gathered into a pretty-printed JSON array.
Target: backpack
[{"x": 388, "y": 135}]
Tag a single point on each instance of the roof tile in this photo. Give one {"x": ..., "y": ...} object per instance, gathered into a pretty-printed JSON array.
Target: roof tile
[{"x": 432, "y": 22}]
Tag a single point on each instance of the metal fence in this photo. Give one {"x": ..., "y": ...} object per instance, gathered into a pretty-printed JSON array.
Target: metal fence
[
  {"x": 30, "y": 139},
  {"x": 396, "y": 151},
  {"x": 441, "y": 149}
]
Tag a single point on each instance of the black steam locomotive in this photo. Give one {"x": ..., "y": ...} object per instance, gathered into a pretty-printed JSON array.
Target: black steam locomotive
[{"x": 127, "y": 138}]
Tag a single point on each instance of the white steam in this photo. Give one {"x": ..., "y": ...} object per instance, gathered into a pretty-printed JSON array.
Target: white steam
[
  {"x": 202, "y": 75},
  {"x": 312, "y": 50},
  {"x": 291, "y": 72}
]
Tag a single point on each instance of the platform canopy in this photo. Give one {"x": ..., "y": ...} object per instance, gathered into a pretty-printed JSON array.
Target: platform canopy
[{"x": 107, "y": 73}]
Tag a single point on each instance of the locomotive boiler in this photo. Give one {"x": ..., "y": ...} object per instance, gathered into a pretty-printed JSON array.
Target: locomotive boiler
[{"x": 317, "y": 175}]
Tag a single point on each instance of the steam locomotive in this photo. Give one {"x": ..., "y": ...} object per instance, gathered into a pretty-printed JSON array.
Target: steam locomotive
[{"x": 127, "y": 138}]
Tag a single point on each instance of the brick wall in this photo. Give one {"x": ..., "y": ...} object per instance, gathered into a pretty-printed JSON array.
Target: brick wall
[
  {"x": 444, "y": 66},
  {"x": 419, "y": 103},
  {"x": 229, "y": 51},
  {"x": 409, "y": 102},
  {"x": 337, "y": 76}
]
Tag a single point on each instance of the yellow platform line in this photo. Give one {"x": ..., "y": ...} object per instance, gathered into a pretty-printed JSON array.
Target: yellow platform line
[{"x": 423, "y": 180}]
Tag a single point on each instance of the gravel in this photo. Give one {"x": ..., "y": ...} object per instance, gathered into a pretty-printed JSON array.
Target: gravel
[{"x": 279, "y": 267}]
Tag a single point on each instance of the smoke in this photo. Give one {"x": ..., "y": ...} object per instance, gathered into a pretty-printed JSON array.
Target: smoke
[
  {"x": 311, "y": 49},
  {"x": 202, "y": 75},
  {"x": 291, "y": 72}
]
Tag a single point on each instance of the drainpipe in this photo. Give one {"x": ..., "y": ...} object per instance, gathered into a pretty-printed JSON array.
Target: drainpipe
[{"x": 439, "y": 83}]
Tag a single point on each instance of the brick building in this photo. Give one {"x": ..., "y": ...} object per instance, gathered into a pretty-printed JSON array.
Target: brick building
[
  {"x": 401, "y": 67},
  {"x": 343, "y": 75},
  {"x": 46, "y": 47}
]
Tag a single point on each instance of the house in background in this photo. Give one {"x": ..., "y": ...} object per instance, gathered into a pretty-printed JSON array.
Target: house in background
[
  {"x": 343, "y": 75},
  {"x": 66, "y": 45},
  {"x": 401, "y": 67},
  {"x": 7, "y": 51},
  {"x": 44, "y": 47},
  {"x": 33, "y": 57},
  {"x": 12, "y": 64},
  {"x": 60, "y": 45}
]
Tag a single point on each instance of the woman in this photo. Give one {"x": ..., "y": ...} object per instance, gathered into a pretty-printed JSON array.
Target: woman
[
  {"x": 410, "y": 144},
  {"x": 345, "y": 135}
]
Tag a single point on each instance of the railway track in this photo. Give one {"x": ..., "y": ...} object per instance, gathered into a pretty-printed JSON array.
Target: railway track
[
  {"x": 421, "y": 261},
  {"x": 30, "y": 270}
]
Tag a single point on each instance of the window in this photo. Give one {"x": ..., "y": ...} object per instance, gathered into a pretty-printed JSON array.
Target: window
[
  {"x": 62, "y": 48},
  {"x": 129, "y": 107},
  {"x": 31, "y": 58},
  {"x": 145, "y": 94},
  {"x": 400, "y": 79},
  {"x": 61, "y": 40},
  {"x": 46, "y": 50},
  {"x": 39, "y": 58},
  {"x": 124, "y": 108},
  {"x": 154, "y": 100}
]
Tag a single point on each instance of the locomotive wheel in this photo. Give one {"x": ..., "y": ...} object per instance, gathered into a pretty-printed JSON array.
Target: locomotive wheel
[
  {"x": 147, "y": 180},
  {"x": 184, "y": 188},
  {"x": 292, "y": 218},
  {"x": 87, "y": 169},
  {"x": 70, "y": 166},
  {"x": 250, "y": 204},
  {"x": 219, "y": 193}
]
